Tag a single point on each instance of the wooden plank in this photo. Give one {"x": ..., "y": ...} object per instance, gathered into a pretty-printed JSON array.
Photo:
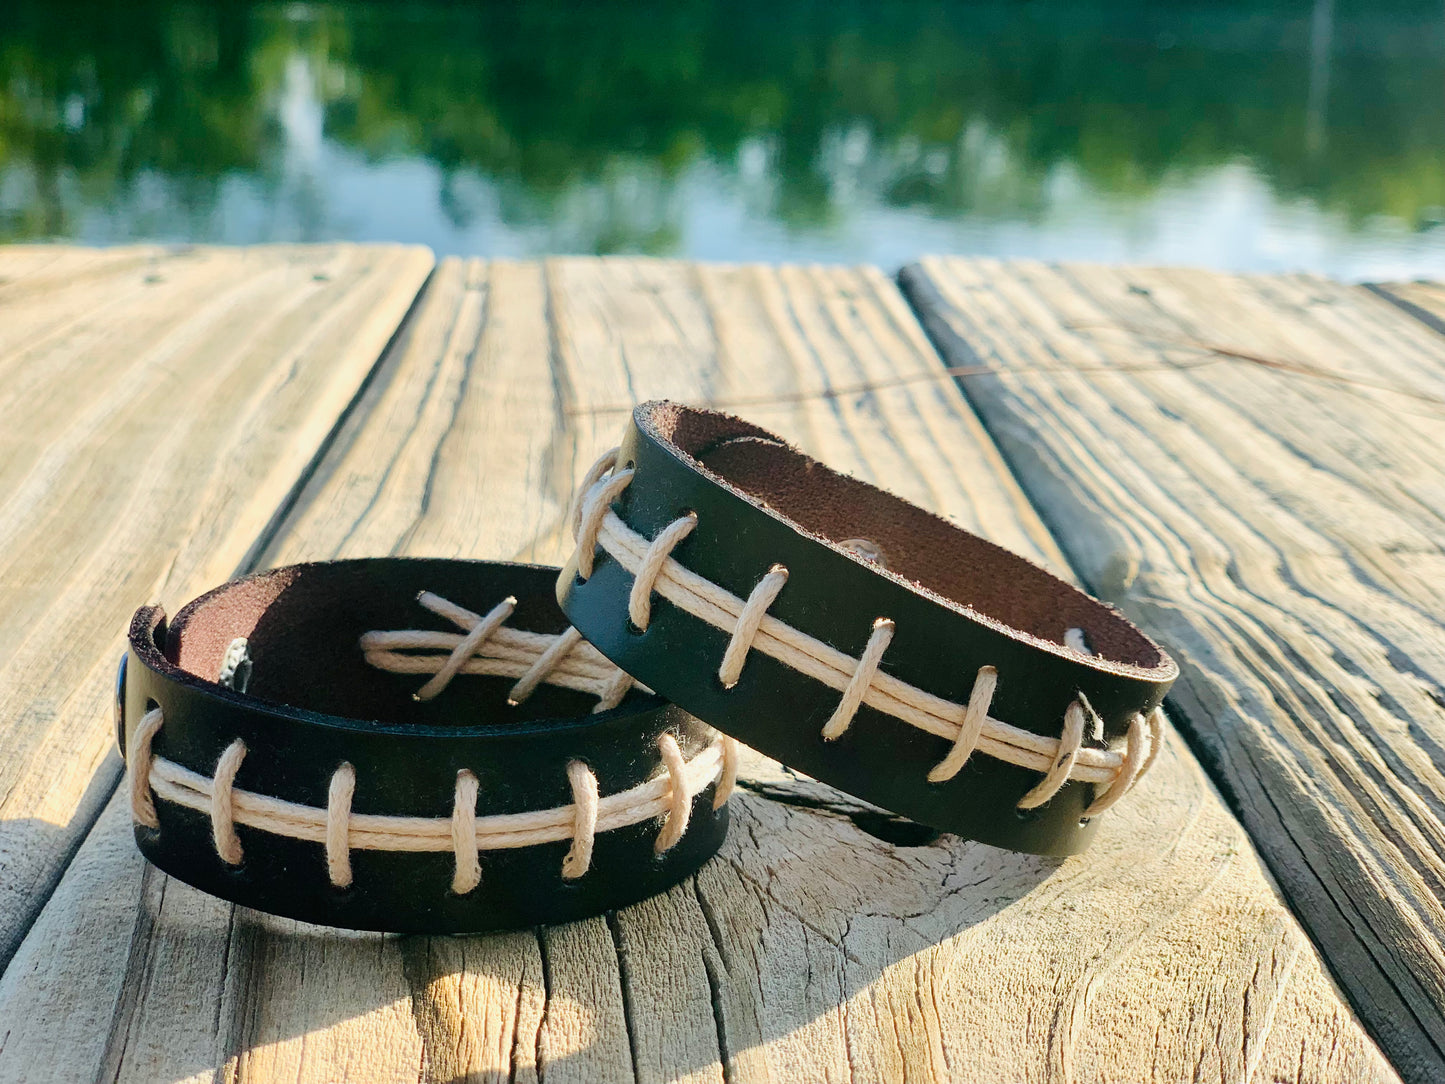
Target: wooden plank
[
  {"x": 811, "y": 949},
  {"x": 157, "y": 406},
  {"x": 1251, "y": 467}
]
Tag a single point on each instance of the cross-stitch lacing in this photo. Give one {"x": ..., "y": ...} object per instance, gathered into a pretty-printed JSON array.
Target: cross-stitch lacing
[
  {"x": 534, "y": 658},
  {"x": 861, "y": 681},
  {"x": 341, "y": 831},
  {"x": 487, "y": 646}
]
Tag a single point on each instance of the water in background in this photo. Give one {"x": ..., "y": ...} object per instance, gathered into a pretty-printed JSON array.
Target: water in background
[{"x": 1270, "y": 135}]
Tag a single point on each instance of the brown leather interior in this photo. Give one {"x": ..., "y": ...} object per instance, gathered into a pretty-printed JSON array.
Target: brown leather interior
[
  {"x": 304, "y": 624},
  {"x": 922, "y": 549}
]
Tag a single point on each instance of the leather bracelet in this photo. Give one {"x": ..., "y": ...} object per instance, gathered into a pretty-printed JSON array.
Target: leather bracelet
[
  {"x": 348, "y": 744},
  {"x": 858, "y": 638}
]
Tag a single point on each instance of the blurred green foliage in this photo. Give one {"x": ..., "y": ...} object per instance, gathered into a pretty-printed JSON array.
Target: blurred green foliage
[{"x": 952, "y": 109}]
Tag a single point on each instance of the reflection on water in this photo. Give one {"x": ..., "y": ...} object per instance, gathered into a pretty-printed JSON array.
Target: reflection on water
[{"x": 1269, "y": 135}]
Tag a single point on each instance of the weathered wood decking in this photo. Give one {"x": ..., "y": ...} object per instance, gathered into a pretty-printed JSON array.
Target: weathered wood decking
[
  {"x": 1255, "y": 468},
  {"x": 170, "y": 418},
  {"x": 156, "y": 409}
]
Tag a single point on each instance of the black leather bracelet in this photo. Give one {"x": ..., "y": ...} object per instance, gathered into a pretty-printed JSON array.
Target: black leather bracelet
[
  {"x": 287, "y": 752},
  {"x": 858, "y": 638}
]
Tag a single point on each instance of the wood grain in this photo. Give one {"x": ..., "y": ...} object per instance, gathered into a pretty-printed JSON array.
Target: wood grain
[
  {"x": 811, "y": 949},
  {"x": 1252, "y": 468},
  {"x": 156, "y": 409}
]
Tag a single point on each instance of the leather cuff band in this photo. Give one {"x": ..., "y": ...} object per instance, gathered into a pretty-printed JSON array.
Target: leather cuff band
[
  {"x": 858, "y": 638},
  {"x": 324, "y": 742}
]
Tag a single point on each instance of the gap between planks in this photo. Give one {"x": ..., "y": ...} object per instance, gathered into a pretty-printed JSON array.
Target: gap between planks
[
  {"x": 1249, "y": 466},
  {"x": 134, "y": 385},
  {"x": 1425, "y": 301}
]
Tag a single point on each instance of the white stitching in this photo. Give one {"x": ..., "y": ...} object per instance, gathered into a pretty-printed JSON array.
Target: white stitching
[
  {"x": 529, "y": 681},
  {"x": 979, "y": 699},
  {"x": 639, "y": 599},
  {"x": 604, "y": 463},
  {"x": 385, "y": 832},
  {"x": 533, "y": 658},
  {"x": 594, "y": 508},
  {"x": 1133, "y": 766},
  {"x": 507, "y": 653},
  {"x": 679, "y": 801},
  {"x": 614, "y": 691},
  {"x": 223, "y": 818},
  {"x": 584, "y": 821},
  {"x": 763, "y": 595},
  {"x": 858, "y": 684},
  {"x": 468, "y": 873},
  {"x": 729, "y": 777},
  {"x": 1092, "y": 717},
  {"x": 338, "y": 825},
  {"x": 832, "y": 667},
  {"x": 1058, "y": 773},
  {"x": 139, "y": 758},
  {"x": 470, "y": 643},
  {"x": 1061, "y": 760},
  {"x": 342, "y": 831},
  {"x": 1156, "y": 743}
]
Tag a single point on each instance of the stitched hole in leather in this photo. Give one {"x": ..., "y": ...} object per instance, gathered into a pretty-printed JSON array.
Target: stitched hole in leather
[
  {"x": 867, "y": 549},
  {"x": 200, "y": 633},
  {"x": 921, "y": 547}
]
